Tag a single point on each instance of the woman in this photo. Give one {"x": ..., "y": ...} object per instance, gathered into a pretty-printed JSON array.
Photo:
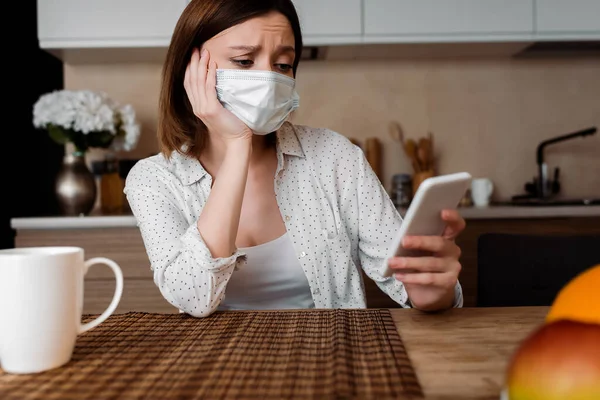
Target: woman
[{"x": 242, "y": 209}]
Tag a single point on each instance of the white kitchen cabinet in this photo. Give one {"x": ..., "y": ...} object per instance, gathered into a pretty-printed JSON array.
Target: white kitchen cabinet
[
  {"x": 107, "y": 23},
  {"x": 448, "y": 20},
  {"x": 76, "y": 30},
  {"x": 568, "y": 19},
  {"x": 330, "y": 21}
]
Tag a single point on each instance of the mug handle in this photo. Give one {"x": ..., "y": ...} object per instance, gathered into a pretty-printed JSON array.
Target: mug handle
[
  {"x": 490, "y": 186},
  {"x": 116, "y": 297}
]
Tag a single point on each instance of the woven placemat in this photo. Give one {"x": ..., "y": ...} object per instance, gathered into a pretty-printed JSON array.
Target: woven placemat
[{"x": 318, "y": 354}]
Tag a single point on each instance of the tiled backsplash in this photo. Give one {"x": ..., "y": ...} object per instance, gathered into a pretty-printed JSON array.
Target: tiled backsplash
[{"x": 487, "y": 116}]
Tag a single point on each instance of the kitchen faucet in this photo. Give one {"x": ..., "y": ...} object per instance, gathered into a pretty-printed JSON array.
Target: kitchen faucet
[{"x": 543, "y": 187}]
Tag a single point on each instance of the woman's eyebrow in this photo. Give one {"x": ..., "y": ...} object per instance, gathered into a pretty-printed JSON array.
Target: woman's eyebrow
[
  {"x": 254, "y": 49},
  {"x": 285, "y": 49},
  {"x": 249, "y": 49}
]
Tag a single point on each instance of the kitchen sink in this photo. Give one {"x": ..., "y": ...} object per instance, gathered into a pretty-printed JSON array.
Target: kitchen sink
[{"x": 551, "y": 202}]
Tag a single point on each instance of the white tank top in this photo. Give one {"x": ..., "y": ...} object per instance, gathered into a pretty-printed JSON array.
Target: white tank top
[{"x": 271, "y": 278}]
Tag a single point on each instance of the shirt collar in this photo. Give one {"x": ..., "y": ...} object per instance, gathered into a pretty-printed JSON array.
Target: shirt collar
[
  {"x": 190, "y": 170},
  {"x": 288, "y": 142}
]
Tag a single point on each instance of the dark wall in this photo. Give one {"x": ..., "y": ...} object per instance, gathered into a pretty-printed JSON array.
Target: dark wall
[{"x": 29, "y": 160}]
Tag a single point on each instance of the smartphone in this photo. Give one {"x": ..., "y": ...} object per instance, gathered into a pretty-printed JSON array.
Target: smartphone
[{"x": 424, "y": 214}]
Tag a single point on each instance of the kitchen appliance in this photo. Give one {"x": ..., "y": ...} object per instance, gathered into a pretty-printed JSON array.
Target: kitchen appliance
[
  {"x": 401, "y": 193},
  {"x": 542, "y": 188}
]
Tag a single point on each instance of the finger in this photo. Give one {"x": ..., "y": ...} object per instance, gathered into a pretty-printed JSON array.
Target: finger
[
  {"x": 427, "y": 279},
  {"x": 211, "y": 85},
  {"x": 195, "y": 59},
  {"x": 188, "y": 87},
  {"x": 201, "y": 71},
  {"x": 433, "y": 244},
  {"x": 455, "y": 223},
  {"x": 418, "y": 264}
]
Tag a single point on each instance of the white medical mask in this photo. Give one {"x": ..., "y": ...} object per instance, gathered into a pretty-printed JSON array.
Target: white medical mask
[{"x": 261, "y": 99}]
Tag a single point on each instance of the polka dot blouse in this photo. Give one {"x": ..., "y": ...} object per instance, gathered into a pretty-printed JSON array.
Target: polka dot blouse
[{"x": 337, "y": 213}]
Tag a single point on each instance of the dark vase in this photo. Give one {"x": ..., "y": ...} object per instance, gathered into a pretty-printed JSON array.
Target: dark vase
[{"x": 75, "y": 186}]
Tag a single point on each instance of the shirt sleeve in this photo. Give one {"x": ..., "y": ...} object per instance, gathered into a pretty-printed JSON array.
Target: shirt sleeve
[
  {"x": 379, "y": 220},
  {"x": 184, "y": 270}
]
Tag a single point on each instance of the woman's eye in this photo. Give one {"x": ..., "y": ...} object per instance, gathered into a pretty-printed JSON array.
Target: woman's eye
[
  {"x": 284, "y": 67},
  {"x": 244, "y": 63}
]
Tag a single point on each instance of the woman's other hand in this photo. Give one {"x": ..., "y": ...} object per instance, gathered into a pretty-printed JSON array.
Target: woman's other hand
[
  {"x": 430, "y": 280},
  {"x": 200, "y": 85}
]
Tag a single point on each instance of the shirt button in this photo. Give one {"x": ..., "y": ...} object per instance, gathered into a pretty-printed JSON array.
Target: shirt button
[
  {"x": 287, "y": 217},
  {"x": 303, "y": 254}
]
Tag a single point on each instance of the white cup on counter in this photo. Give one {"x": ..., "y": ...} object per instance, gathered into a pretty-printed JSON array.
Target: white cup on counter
[
  {"x": 481, "y": 191},
  {"x": 41, "y": 303}
]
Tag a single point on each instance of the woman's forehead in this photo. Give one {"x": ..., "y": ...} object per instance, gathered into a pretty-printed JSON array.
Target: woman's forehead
[{"x": 273, "y": 25}]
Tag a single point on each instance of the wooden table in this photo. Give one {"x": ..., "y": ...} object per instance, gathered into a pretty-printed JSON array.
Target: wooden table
[{"x": 463, "y": 353}]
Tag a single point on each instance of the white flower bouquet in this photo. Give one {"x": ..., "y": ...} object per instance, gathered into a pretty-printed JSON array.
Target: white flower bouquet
[{"x": 87, "y": 119}]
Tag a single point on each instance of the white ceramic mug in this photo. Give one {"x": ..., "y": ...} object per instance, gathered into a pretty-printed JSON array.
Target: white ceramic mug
[
  {"x": 481, "y": 191},
  {"x": 41, "y": 303}
]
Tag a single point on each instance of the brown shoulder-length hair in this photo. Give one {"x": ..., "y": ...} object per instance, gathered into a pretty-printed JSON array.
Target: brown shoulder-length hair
[{"x": 178, "y": 128}]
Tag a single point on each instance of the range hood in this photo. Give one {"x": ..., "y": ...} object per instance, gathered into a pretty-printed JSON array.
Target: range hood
[
  {"x": 391, "y": 51},
  {"x": 562, "y": 49}
]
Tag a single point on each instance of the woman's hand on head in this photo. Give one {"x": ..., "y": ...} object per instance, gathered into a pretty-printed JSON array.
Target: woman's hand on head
[
  {"x": 200, "y": 85},
  {"x": 430, "y": 280}
]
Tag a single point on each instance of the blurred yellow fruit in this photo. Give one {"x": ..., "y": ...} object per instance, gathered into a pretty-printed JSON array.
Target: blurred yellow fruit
[{"x": 579, "y": 299}]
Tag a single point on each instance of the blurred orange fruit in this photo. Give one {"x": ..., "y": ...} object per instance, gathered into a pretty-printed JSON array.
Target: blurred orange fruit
[
  {"x": 579, "y": 299},
  {"x": 559, "y": 360}
]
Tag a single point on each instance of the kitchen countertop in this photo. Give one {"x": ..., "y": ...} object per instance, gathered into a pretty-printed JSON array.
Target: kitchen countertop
[
  {"x": 507, "y": 212},
  {"x": 127, "y": 220}
]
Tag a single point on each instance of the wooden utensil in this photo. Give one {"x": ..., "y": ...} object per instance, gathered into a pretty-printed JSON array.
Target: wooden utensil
[
  {"x": 431, "y": 155},
  {"x": 424, "y": 154},
  {"x": 397, "y": 135},
  {"x": 396, "y": 132},
  {"x": 410, "y": 146}
]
